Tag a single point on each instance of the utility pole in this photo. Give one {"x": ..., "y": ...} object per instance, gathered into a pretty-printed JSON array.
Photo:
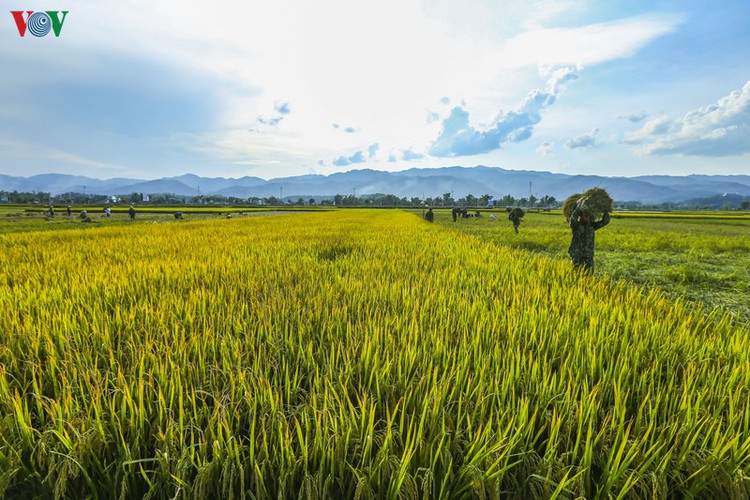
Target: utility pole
[{"x": 281, "y": 193}]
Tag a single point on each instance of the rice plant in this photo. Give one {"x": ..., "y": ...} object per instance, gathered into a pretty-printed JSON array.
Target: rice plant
[{"x": 355, "y": 354}]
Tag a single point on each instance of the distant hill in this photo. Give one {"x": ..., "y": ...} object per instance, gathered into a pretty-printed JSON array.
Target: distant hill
[
  {"x": 415, "y": 182},
  {"x": 716, "y": 202}
]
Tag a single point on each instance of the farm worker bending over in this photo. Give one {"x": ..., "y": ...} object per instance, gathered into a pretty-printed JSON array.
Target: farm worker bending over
[
  {"x": 429, "y": 216},
  {"x": 582, "y": 244}
]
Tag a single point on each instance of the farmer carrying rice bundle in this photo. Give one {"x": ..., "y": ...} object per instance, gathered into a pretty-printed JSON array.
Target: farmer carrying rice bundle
[
  {"x": 515, "y": 215},
  {"x": 586, "y": 213}
]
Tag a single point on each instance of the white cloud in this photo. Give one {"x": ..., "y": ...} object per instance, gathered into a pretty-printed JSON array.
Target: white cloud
[
  {"x": 409, "y": 155},
  {"x": 280, "y": 111},
  {"x": 343, "y": 161},
  {"x": 721, "y": 129},
  {"x": 635, "y": 117},
  {"x": 584, "y": 141},
  {"x": 378, "y": 65},
  {"x": 545, "y": 11},
  {"x": 459, "y": 138},
  {"x": 546, "y": 149},
  {"x": 587, "y": 45}
]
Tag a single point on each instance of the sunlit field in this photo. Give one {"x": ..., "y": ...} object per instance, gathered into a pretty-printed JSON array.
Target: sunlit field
[
  {"x": 22, "y": 218},
  {"x": 360, "y": 354},
  {"x": 698, "y": 256}
]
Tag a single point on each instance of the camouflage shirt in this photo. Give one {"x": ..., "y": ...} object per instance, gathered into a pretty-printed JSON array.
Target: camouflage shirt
[{"x": 582, "y": 244}]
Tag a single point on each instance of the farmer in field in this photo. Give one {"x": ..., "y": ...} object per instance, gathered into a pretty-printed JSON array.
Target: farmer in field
[
  {"x": 131, "y": 211},
  {"x": 429, "y": 216},
  {"x": 515, "y": 215},
  {"x": 515, "y": 219},
  {"x": 454, "y": 213},
  {"x": 583, "y": 228}
]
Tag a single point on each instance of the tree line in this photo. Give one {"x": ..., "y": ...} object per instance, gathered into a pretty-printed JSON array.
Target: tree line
[{"x": 339, "y": 200}]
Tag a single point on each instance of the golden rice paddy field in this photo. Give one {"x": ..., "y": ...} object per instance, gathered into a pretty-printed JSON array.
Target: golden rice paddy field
[{"x": 353, "y": 354}]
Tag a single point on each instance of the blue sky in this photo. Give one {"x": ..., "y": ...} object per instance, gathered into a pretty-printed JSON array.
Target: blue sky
[{"x": 270, "y": 89}]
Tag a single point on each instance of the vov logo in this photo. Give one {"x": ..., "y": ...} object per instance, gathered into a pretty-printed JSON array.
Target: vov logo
[{"x": 39, "y": 24}]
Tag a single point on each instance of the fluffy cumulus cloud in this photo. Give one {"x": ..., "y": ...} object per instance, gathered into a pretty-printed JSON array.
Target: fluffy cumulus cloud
[
  {"x": 357, "y": 157},
  {"x": 343, "y": 161},
  {"x": 584, "y": 141},
  {"x": 459, "y": 138},
  {"x": 721, "y": 129}
]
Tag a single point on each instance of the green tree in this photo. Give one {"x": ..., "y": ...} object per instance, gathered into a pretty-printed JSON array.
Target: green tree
[
  {"x": 547, "y": 201},
  {"x": 508, "y": 200}
]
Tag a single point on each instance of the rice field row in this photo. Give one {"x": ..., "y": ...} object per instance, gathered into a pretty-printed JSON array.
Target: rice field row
[{"x": 352, "y": 354}]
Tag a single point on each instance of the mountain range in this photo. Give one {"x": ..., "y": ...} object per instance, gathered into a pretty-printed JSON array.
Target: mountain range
[{"x": 415, "y": 182}]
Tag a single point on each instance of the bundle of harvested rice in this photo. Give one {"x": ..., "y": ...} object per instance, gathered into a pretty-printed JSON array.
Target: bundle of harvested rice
[
  {"x": 570, "y": 204},
  {"x": 596, "y": 202},
  {"x": 517, "y": 212}
]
